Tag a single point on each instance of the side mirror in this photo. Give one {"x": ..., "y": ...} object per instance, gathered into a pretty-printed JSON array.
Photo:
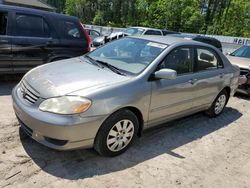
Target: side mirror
[
  {"x": 228, "y": 53},
  {"x": 167, "y": 74}
]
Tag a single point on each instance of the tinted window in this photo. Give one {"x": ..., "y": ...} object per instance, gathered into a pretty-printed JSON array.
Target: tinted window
[
  {"x": 207, "y": 60},
  {"x": 3, "y": 23},
  {"x": 94, "y": 33},
  {"x": 152, "y": 32},
  {"x": 31, "y": 26},
  {"x": 180, "y": 60},
  {"x": 243, "y": 51},
  {"x": 210, "y": 41},
  {"x": 71, "y": 30},
  {"x": 133, "y": 31}
]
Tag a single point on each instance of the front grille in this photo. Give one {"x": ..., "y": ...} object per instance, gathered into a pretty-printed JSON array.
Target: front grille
[
  {"x": 245, "y": 72},
  {"x": 28, "y": 93}
]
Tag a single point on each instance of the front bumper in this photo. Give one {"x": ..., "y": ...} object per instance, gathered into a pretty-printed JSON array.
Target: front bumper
[
  {"x": 61, "y": 132},
  {"x": 244, "y": 86}
]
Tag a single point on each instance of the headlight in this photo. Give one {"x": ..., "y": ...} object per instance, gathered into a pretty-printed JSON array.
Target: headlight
[{"x": 66, "y": 105}]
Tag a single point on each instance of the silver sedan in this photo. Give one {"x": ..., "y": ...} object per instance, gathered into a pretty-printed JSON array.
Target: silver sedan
[{"x": 106, "y": 98}]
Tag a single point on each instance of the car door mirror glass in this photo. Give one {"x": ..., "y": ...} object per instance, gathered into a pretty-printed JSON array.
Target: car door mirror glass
[{"x": 167, "y": 74}]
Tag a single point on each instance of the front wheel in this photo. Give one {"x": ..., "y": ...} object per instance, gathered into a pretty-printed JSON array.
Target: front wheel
[
  {"x": 117, "y": 133},
  {"x": 218, "y": 104}
]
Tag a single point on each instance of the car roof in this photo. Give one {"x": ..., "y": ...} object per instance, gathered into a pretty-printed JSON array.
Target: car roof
[
  {"x": 169, "y": 40},
  {"x": 180, "y": 35},
  {"x": 144, "y": 28},
  {"x": 34, "y": 11},
  {"x": 188, "y": 36}
]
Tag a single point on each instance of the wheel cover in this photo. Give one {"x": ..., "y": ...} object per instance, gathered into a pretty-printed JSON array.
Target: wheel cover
[
  {"x": 220, "y": 104},
  {"x": 120, "y": 135}
]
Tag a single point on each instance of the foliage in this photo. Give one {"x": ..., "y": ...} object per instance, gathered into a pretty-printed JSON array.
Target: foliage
[
  {"x": 224, "y": 17},
  {"x": 59, "y": 4}
]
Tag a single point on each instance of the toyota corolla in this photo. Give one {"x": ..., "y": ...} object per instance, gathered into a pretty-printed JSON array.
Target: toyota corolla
[{"x": 106, "y": 98}]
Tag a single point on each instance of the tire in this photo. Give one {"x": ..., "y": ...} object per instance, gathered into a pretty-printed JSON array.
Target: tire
[
  {"x": 218, "y": 105},
  {"x": 117, "y": 133}
]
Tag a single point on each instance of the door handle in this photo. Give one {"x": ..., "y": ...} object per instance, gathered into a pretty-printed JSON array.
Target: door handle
[{"x": 192, "y": 81}]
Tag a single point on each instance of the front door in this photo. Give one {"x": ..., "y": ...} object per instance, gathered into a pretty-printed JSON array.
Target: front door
[
  {"x": 5, "y": 43},
  {"x": 171, "y": 98}
]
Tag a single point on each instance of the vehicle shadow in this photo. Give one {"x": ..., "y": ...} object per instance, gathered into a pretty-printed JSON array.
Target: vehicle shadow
[
  {"x": 242, "y": 96},
  {"x": 161, "y": 140},
  {"x": 8, "y": 82}
]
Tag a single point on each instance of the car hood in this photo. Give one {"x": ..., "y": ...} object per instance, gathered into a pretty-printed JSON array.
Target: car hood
[
  {"x": 240, "y": 61},
  {"x": 67, "y": 76},
  {"x": 99, "y": 39}
]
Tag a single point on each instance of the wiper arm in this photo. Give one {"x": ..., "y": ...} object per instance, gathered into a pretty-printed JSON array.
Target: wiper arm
[
  {"x": 111, "y": 67},
  {"x": 93, "y": 61}
]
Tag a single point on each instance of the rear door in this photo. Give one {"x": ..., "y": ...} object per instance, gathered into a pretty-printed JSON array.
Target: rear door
[
  {"x": 209, "y": 76},
  {"x": 31, "y": 41},
  {"x": 5, "y": 42}
]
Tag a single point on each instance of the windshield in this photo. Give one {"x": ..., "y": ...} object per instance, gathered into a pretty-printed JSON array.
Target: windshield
[
  {"x": 130, "y": 55},
  {"x": 243, "y": 51},
  {"x": 133, "y": 31}
]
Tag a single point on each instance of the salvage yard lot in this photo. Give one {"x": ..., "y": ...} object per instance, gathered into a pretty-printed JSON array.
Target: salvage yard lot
[{"x": 194, "y": 151}]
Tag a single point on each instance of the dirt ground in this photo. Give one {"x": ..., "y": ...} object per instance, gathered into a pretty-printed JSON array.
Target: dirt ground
[{"x": 192, "y": 152}]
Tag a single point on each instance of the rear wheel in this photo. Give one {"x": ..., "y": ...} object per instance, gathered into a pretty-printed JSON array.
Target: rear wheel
[
  {"x": 218, "y": 104},
  {"x": 116, "y": 133}
]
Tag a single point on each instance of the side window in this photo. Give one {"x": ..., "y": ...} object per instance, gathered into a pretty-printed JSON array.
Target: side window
[
  {"x": 94, "y": 33},
  {"x": 180, "y": 60},
  {"x": 3, "y": 23},
  {"x": 31, "y": 26},
  {"x": 71, "y": 30},
  {"x": 152, "y": 32},
  {"x": 207, "y": 60}
]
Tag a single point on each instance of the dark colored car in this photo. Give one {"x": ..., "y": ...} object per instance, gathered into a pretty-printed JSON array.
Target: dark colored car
[
  {"x": 168, "y": 32},
  {"x": 30, "y": 37},
  {"x": 208, "y": 40}
]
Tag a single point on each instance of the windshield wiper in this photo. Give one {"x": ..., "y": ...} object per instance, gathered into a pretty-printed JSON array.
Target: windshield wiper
[
  {"x": 102, "y": 64},
  {"x": 111, "y": 67},
  {"x": 91, "y": 60}
]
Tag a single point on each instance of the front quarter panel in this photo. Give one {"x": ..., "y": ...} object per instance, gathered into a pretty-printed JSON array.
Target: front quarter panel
[{"x": 105, "y": 101}]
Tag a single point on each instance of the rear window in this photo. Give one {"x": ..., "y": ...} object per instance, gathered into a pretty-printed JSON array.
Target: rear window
[
  {"x": 152, "y": 32},
  {"x": 207, "y": 60},
  {"x": 31, "y": 26},
  {"x": 212, "y": 42},
  {"x": 71, "y": 30}
]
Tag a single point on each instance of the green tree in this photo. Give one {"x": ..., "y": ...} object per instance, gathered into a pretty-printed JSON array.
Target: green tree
[
  {"x": 58, "y": 4},
  {"x": 225, "y": 17}
]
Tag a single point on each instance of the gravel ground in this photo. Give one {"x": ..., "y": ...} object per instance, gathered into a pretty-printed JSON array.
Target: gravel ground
[{"x": 191, "y": 152}]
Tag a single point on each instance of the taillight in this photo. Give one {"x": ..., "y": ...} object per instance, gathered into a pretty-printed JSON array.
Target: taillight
[{"x": 87, "y": 36}]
